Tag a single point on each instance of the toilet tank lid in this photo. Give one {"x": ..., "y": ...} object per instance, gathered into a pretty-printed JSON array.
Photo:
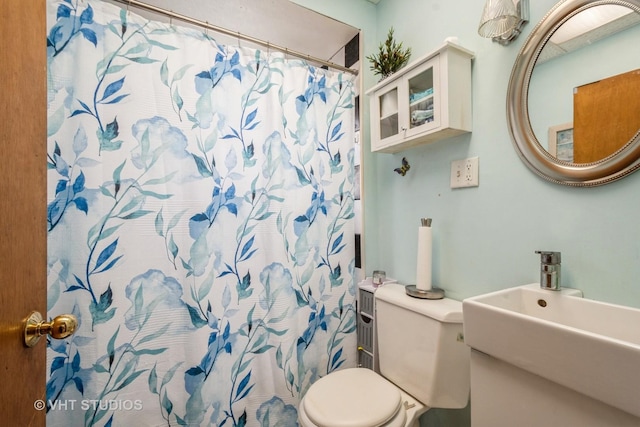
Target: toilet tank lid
[{"x": 444, "y": 310}]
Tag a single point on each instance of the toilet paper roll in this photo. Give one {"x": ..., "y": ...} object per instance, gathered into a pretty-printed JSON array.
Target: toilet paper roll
[{"x": 423, "y": 273}]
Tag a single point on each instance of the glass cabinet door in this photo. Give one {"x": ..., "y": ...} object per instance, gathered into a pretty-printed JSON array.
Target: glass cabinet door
[
  {"x": 388, "y": 107},
  {"x": 423, "y": 100}
]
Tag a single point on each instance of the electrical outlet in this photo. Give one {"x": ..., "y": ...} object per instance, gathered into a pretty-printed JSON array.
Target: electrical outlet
[{"x": 464, "y": 173}]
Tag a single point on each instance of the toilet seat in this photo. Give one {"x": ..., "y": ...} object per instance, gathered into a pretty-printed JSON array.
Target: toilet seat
[{"x": 355, "y": 397}]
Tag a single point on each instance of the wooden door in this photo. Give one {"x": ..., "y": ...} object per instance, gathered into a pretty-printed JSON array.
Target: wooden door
[
  {"x": 606, "y": 115},
  {"x": 23, "y": 123}
]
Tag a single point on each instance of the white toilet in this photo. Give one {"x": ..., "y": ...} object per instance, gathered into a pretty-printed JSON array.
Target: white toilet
[{"x": 424, "y": 364}]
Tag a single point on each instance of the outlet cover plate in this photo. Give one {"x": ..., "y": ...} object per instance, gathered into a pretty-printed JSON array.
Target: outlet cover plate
[{"x": 464, "y": 173}]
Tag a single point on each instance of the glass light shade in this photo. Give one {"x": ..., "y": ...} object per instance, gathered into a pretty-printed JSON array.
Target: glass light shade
[{"x": 499, "y": 17}]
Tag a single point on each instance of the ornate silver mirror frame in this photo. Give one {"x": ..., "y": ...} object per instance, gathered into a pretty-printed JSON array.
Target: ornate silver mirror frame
[{"x": 618, "y": 165}]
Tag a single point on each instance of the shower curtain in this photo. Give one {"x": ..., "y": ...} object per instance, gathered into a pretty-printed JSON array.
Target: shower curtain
[{"x": 200, "y": 224}]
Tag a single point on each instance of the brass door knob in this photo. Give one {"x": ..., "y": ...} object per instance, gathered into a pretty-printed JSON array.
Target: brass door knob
[{"x": 60, "y": 327}]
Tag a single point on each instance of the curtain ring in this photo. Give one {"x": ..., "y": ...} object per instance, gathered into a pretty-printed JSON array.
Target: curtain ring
[
  {"x": 206, "y": 29},
  {"x": 239, "y": 37}
]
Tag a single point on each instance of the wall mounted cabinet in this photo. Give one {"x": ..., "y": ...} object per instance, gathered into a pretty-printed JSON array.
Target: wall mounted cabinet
[{"x": 427, "y": 100}]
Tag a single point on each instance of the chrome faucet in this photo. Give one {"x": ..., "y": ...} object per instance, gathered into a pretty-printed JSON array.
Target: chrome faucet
[{"x": 549, "y": 270}]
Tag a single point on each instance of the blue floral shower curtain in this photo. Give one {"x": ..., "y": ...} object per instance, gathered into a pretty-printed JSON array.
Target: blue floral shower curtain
[{"x": 200, "y": 224}]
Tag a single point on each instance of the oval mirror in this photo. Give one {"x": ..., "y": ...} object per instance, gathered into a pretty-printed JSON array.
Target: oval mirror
[{"x": 573, "y": 103}]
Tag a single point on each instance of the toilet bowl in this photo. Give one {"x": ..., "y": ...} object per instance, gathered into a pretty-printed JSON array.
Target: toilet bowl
[
  {"x": 357, "y": 397},
  {"x": 424, "y": 364}
]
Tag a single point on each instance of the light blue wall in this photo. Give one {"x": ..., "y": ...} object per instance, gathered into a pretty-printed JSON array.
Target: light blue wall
[{"x": 485, "y": 237}]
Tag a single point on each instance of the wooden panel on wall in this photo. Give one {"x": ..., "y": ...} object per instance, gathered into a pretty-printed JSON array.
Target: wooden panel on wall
[{"x": 606, "y": 115}]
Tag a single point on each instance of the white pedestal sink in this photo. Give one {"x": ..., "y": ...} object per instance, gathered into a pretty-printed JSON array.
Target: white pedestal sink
[{"x": 576, "y": 345}]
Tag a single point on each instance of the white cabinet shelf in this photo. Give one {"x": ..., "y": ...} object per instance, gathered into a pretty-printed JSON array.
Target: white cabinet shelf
[
  {"x": 417, "y": 103},
  {"x": 390, "y": 116},
  {"x": 427, "y": 100}
]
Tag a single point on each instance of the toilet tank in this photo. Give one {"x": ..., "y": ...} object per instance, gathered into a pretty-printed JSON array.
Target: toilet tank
[{"x": 420, "y": 347}]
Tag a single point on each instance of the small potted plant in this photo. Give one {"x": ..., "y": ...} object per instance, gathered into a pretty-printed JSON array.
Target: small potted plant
[{"x": 390, "y": 57}]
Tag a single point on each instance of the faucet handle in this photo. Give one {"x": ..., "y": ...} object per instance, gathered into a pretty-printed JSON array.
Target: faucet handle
[
  {"x": 549, "y": 257},
  {"x": 549, "y": 270}
]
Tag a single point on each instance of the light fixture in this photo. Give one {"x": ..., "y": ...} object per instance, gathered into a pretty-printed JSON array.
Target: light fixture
[{"x": 502, "y": 20}]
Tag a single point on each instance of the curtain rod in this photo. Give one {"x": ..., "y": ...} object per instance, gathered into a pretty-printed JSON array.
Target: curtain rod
[{"x": 268, "y": 45}]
